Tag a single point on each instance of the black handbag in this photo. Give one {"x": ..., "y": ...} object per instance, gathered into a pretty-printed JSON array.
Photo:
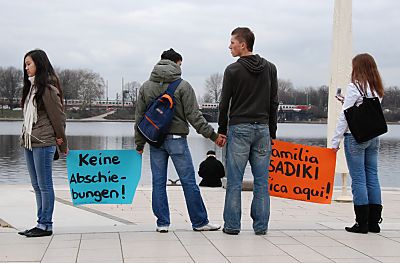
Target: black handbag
[
  {"x": 56, "y": 155},
  {"x": 366, "y": 121}
]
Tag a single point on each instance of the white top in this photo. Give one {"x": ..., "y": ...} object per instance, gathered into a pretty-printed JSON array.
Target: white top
[
  {"x": 30, "y": 115},
  {"x": 352, "y": 96}
]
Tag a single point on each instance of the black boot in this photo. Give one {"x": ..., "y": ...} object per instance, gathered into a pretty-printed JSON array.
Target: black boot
[
  {"x": 375, "y": 213},
  {"x": 361, "y": 225}
]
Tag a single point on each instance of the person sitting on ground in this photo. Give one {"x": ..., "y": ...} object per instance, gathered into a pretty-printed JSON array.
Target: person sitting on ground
[{"x": 211, "y": 170}]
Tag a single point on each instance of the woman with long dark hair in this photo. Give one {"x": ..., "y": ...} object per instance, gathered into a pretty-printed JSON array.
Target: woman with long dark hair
[
  {"x": 362, "y": 158},
  {"x": 43, "y": 129}
]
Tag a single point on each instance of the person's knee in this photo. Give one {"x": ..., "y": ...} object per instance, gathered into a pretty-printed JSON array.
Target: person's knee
[
  {"x": 189, "y": 183},
  {"x": 187, "y": 175},
  {"x": 36, "y": 187}
]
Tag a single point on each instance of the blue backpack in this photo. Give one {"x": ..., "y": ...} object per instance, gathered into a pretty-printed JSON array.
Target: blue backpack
[{"x": 158, "y": 116}]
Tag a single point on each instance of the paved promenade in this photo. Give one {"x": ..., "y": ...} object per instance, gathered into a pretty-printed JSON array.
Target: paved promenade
[{"x": 299, "y": 232}]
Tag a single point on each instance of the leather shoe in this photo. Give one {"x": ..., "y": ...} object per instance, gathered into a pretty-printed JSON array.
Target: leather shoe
[
  {"x": 37, "y": 232},
  {"x": 23, "y": 233},
  {"x": 229, "y": 232},
  {"x": 260, "y": 232}
]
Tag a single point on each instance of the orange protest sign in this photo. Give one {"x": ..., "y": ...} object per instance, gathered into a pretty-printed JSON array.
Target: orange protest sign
[{"x": 302, "y": 172}]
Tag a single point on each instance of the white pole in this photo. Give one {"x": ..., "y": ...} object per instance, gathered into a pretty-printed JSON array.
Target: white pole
[{"x": 340, "y": 77}]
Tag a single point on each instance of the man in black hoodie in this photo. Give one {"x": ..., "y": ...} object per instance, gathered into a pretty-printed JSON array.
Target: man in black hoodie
[{"x": 249, "y": 96}]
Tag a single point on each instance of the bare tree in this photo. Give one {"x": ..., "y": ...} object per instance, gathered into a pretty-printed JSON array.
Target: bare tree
[
  {"x": 322, "y": 97},
  {"x": 391, "y": 100},
  {"x": 207, "y": 98},
  {"x": 10, "y": 84},
  {"x": 286, "y": 91},
  {"x": 200, "y": 99},
  {"x": 91, "y": 87},
  {"x": 213, "y": 87},
  {"x": 69, "y": 79},
  {"x": 132, "y": 90}
]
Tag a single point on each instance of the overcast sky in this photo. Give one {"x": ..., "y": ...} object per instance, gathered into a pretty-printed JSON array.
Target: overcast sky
[{"x": 125, "y": 38}]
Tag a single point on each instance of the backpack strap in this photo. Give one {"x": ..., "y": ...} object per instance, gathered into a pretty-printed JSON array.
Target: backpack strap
[{"x": 172, "y": 87}]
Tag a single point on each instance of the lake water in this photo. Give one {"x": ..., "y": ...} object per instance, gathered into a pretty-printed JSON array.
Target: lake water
[{"x": 119, "y": 135}]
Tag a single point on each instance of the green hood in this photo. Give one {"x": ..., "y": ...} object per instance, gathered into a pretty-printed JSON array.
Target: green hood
[
  {"x": 165, "y": 71},
  {"x": 186, "y": 108}
]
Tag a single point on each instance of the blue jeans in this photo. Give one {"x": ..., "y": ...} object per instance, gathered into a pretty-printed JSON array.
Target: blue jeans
[
  {"x": 362, "y": 161},
  {"x": 178, "y": 150},
  {"x": 39, "y": 161},
  {"x": 247, "y": 142}
]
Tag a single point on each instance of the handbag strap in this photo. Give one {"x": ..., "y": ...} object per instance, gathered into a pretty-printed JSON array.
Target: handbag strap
[
  {"x": 364, "y": 94},
  {"x": 359, "y": 90}
]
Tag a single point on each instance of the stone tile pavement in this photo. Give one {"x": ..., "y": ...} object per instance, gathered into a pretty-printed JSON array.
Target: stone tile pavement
[{"x": 299, "y": 232}]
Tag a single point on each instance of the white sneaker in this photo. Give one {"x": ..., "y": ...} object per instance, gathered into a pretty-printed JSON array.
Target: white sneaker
[
  {"x": 208, "y": 227},
  {"x": 162, "y": 229}
]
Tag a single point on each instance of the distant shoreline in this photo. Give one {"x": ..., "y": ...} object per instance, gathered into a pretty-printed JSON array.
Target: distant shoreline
[
  {"x": 75, "y": 120},
  {"x": 132, "y": 121}
]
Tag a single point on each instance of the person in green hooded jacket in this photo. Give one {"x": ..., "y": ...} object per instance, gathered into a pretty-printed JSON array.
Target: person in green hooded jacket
[{"x": 175, "y": 145}]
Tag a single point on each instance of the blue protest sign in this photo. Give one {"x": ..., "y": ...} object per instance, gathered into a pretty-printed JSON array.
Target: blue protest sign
[{"x": 103, "y": 176}]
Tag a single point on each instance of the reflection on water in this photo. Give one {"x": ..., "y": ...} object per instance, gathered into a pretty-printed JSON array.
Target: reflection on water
[
  {"x": 13, "y": 167},
  {"x": 102, "y": 135}
]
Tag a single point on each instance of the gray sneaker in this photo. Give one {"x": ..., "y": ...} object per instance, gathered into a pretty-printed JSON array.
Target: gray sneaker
[{"x": 208, "y": 227}]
